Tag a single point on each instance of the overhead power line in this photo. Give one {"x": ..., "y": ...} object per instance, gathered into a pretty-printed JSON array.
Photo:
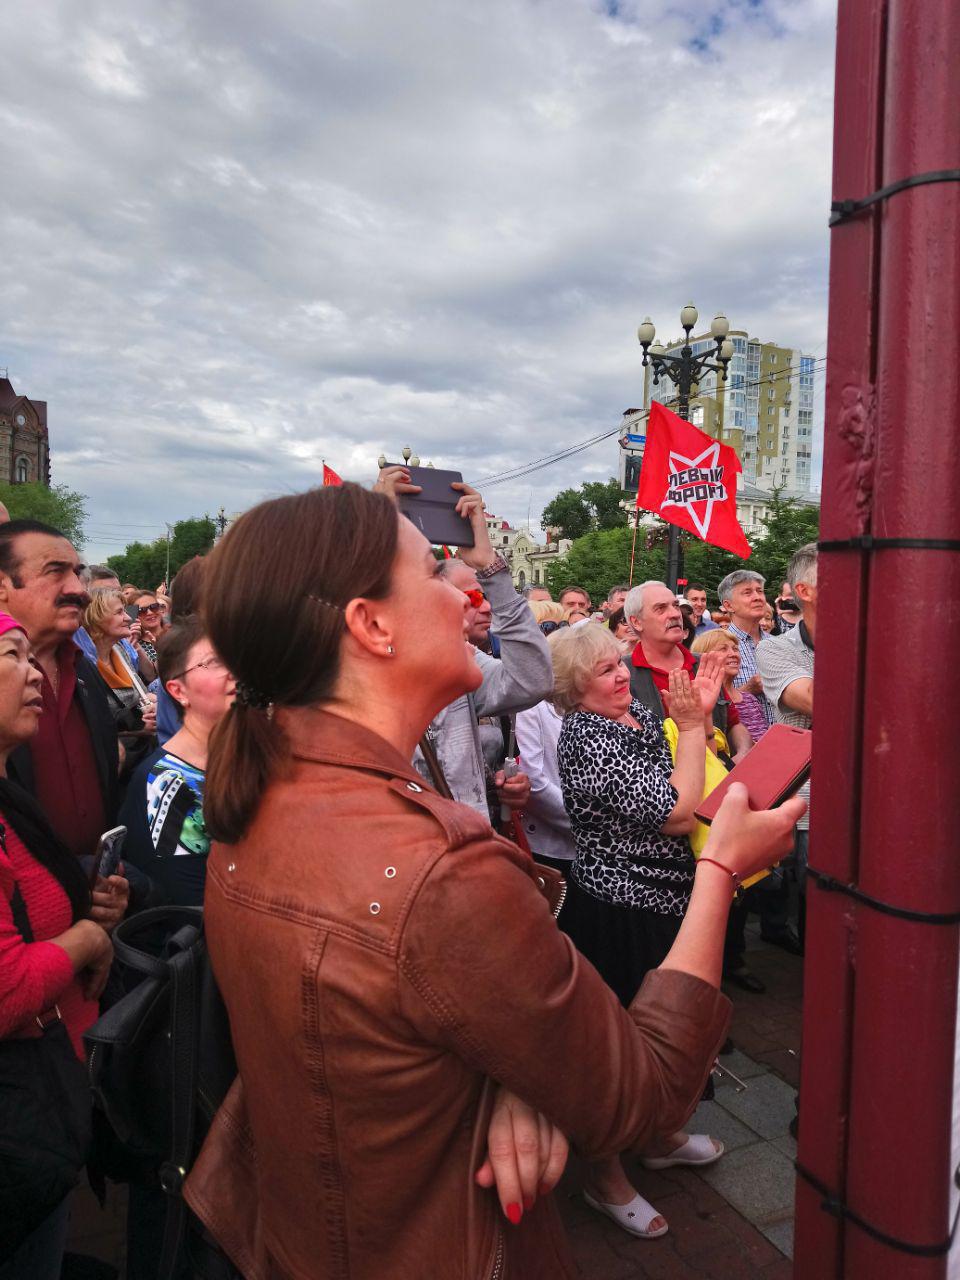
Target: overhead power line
[{"x": 549, "y": 460}]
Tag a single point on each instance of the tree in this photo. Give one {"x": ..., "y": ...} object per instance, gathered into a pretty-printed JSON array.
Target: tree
[
  {"x": 605, "y": 500},
  {"x": 570, "y": 513},
  {"x": 601, "y": 559},
  {"x": 595, "y": 505},
  {"x": 145, "y": 564},
  {"x": 786, "y": 526},
  {"x": 57, "y": 506}
]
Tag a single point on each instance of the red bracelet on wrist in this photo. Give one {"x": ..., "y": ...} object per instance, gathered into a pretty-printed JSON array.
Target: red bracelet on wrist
[{"x": 734, "y": 875}]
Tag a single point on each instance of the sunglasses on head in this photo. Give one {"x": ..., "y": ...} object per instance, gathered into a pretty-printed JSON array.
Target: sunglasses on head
[
  {"x": 548, "y": 628},
  {"x": 149, "y": 608},
  {"x": 475, "y": 596}
]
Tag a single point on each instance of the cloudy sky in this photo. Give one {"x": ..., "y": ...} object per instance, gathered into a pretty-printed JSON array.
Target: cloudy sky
[{"x": 241, "y": 237}]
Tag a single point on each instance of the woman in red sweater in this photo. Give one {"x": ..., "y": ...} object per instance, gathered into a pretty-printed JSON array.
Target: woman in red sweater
[{"x": 63, "y": 970}]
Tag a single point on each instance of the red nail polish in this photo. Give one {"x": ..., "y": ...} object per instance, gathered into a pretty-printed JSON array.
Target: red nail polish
[
  {"x": 528, "y": 1203},
  {"x": 514, "y": 1213}
]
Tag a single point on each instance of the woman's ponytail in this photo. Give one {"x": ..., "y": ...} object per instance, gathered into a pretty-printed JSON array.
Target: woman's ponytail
[
  {"x": 248, "y": 749},
  {"x": 275, "y": 590}
]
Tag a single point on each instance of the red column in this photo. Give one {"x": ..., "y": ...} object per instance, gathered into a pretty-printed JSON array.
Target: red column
[
  {"x": 843, "y": 607},
  {"x": 880, "y": 1016},
  {"x": 904, "y": 1024}
]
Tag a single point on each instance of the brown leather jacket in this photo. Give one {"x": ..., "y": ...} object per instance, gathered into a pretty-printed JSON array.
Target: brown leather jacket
[{"x": 384, "y": 958}]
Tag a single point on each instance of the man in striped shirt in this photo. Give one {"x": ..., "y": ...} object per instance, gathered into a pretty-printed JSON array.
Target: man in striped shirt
[{"x": 741, "y": 593}]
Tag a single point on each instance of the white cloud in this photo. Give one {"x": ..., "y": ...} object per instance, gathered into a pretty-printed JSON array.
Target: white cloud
[{"x": 244, "y": 237}]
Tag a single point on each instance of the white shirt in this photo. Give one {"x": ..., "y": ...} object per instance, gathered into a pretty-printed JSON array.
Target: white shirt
[{"x": 545, "y": 820}]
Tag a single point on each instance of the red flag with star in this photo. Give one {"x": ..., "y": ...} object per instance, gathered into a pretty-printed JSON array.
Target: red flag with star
[
  {"x": 690, "y": 480},
  {"x": 330, "y": 476}
]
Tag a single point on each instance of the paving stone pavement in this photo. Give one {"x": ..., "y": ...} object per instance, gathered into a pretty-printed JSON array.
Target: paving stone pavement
[
  {"x": 731, "y": 1221},
  {"x": 734, "y": 1219}
]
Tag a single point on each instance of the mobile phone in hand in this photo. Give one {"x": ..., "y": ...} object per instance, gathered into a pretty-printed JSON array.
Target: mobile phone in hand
[{"x": 107, "y": 857}]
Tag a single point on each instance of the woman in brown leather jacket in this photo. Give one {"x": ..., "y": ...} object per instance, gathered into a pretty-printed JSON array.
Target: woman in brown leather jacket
[{"x": 392, "y": 969}]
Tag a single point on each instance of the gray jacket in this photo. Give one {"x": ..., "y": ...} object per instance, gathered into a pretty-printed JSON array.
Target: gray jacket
[{"x": 520, "y": 678}]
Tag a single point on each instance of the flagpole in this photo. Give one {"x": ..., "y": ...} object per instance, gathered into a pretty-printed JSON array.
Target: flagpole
[{"x": 633, "y": 545}]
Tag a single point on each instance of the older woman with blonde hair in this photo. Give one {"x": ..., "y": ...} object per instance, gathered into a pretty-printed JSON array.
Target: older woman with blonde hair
[
  {"x": 631, "y": 808},
  {"x": 107, "y": 623}
]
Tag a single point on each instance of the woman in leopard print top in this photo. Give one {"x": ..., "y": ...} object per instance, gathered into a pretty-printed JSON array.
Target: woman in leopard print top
[
  {"x": 630, "y": 810},
  {"x": 617, "y": 790}
]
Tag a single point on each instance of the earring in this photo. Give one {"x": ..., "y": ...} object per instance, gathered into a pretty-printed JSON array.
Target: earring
[{"x": 391, "y": 651}]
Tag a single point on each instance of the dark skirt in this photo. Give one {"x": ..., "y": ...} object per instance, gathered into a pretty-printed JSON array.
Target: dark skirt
[{"x": 622, "y": 943}]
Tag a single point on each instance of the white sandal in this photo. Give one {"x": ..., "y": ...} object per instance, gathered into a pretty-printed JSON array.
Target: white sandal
[
  {"x": 698, "y": 1150},
  {"x": 635, "y": 1216}
]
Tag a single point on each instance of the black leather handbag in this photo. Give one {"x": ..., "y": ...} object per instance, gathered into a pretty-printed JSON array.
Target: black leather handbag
[
  {"x": 161, "y": 1060},
  {"x": 45, "y": 1119}
]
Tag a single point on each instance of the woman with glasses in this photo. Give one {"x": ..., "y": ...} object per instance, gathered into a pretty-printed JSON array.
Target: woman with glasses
[
  {"x": 550, "y": 616},
  {"x": 163, "y": 810},
  {"x": 150, "y": 617}
]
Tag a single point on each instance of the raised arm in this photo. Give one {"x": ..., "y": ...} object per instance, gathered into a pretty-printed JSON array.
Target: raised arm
[
  {"x": 524, "y": 674},
  {"x": 485, "y": 971}
]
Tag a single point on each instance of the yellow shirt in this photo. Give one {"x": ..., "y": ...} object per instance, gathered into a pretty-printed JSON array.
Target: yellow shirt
[{"x": 714, "y": 773}]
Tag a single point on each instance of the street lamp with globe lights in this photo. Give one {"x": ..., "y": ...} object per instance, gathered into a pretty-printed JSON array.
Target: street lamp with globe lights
[{"x": 685, "y": 370}]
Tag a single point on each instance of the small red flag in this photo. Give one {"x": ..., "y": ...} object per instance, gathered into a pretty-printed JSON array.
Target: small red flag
[
  {"x": 330, "y": 476},
  {"x": 690, "y": 480}
]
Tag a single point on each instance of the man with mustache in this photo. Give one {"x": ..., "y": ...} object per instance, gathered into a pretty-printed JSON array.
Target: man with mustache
[
  {"x": 652, "y": 610},
  {"x": 71, "y": 766}
]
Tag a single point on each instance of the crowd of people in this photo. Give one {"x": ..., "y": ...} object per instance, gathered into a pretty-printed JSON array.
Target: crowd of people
[{"x": 457, "y": 899}]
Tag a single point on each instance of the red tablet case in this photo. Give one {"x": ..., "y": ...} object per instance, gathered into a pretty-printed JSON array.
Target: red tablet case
[{"x": 772, "y": 771}]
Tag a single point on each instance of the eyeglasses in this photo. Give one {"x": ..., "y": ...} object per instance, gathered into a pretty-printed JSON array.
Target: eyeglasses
[
  {"x": 475, "y": 596},
  {"x": 548, "y": 628},
  {"x": 150, "y": 608},
  {"x": 211, "y": 664}
]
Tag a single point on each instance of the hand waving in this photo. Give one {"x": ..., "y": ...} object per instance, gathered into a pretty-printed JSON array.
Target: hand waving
[
  {"x": 684, "y": 703},
  {"x": 709, "y": 680}
]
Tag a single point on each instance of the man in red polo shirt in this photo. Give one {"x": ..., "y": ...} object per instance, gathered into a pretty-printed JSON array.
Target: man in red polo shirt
[
  {"x": 71, "y": 766},
  {"x": 653, "y": 612}
]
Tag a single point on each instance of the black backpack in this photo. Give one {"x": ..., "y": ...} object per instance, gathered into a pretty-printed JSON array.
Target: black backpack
[{"x": 160, "y": 1062}]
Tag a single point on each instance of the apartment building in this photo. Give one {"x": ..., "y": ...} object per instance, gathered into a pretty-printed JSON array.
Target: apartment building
[{"x": 764, "y": 410}]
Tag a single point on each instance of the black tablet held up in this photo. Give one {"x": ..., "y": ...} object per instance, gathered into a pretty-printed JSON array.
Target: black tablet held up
[{"x": 433, "y": 509}]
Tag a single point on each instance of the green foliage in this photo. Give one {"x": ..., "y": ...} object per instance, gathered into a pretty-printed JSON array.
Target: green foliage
[
  {"x": 145, "y": 564},
  {"x": 595, "y": 505},
  {"x": 601, "y": 558},
  {"x": 604, "y": 501},
  {"x": 569, "y": 513},
  {"x": 787, "y": 526},
  {"x": 57, "y": 506}
]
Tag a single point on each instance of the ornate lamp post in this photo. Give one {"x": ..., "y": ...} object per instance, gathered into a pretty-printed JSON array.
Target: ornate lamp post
[
  {"x": 684, "y": 370},
  {"x": 409, "y": 457}
]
